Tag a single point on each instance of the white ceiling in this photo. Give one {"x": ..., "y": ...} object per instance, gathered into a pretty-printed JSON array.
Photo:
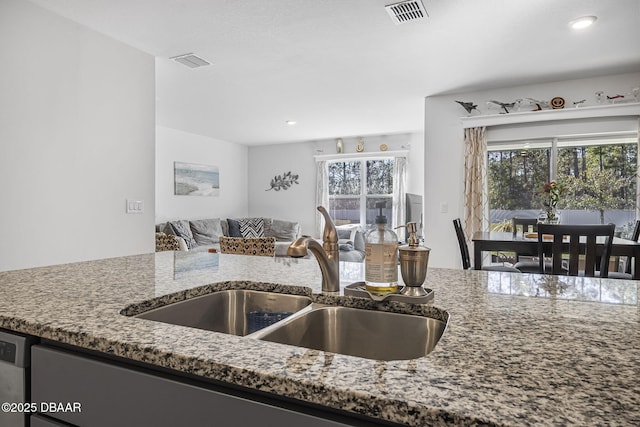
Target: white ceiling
[{"x": 342, "y": 67}]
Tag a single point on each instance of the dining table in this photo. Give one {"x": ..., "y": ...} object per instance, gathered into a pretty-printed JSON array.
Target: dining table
[{"x": 485, "y": 241}]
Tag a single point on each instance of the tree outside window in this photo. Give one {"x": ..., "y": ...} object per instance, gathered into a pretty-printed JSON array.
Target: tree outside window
[
  {"x": 600, "y": 179},
  {"x": 354, "y": 188},
  {"x": 515, "y": 176}
]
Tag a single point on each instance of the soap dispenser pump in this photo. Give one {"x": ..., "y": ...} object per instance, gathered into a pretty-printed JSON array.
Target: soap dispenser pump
[{"x": 413, "y": 263}]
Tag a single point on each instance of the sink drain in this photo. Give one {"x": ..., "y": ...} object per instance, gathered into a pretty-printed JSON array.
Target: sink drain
[{"x": 257, "y": 320}]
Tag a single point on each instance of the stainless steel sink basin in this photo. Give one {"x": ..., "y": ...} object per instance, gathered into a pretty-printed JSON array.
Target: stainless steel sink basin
[
  {"x": 236, "y": 312},
  {"x": 364, "y": 333},
  {"x": 294, "y": 320}
]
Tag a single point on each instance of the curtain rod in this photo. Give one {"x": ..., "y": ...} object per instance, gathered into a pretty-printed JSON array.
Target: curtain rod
[
  {"x": 363, "y": 155},
  {"x": 586, "y": 137}
]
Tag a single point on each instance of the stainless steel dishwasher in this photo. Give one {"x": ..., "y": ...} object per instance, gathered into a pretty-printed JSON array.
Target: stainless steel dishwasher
[{"x": 14, "y": 379}]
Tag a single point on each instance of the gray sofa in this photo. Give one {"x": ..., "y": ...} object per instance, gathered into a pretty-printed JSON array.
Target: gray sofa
[
  {"x": 351, "y": 242},
  {"x": 204, "y": 234}
]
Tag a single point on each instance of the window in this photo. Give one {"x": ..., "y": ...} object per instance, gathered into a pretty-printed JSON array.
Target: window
[
  {"x": 355, "y": 186},
  {"x": 599, "y": 174}
]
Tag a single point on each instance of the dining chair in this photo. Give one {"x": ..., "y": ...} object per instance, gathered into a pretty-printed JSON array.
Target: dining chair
[
  {"x": 562, "y": 235},
  {"x": 627, "y": 273},
  {"x": 466, "y": 258},
  {"x": 521, "y": 226}
]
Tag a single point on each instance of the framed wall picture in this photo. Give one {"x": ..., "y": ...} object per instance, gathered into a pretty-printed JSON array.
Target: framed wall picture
[{"x": 196, "y": 180}]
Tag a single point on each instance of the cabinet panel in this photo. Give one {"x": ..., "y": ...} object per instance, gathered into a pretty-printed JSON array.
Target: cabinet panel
[
  {"x": 113, "y": 395},
  {"x": 38, "y": 421}
]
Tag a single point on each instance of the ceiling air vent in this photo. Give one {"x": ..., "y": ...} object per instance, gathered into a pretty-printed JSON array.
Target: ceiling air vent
[
  {"x": 406, "y": 11},
  {"x": 191, "y": 60}
]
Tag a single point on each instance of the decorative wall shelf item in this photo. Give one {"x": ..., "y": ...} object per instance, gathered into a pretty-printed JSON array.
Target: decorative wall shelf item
[
  {"x": 339, "y": 146},
  {"x": 360, "y": 145},
  {"x": 383, "y": 147},
  {"x": 469, "y": 106},
  {"x": 504, "y": 105},
  {"x": 196, "y": 180},
  {"x": 283, "y": 182},
  {"x": 611, "y": 110},
  {"x": 557, "y": 103},
  {"x": 362, "y": 156},
  {"x": 540, "y": 105}
]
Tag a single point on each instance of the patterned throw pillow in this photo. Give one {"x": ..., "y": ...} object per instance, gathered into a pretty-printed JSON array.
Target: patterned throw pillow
[
  {"x": 166, "y": 242},
  {"x": 182, "y": 229},
  {"x": 251, "y": 227},
  {"x": 263, "y": 246}
]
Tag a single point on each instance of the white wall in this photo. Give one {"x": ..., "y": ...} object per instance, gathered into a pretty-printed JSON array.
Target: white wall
[
  {"x": 174, "y": 145},
  {"x": 298, "y": 202},
  {"x": 76, "y": 140},
  {"x": 444, "y": 149}
]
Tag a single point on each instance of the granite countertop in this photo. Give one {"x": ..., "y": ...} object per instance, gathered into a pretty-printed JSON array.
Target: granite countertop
[{"x": 519, "y": 349}]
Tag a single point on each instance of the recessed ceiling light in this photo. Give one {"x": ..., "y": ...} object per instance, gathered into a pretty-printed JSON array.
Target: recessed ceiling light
[
  {"x": 582, "y": 22},
  {"x": 290, "y": 122}
]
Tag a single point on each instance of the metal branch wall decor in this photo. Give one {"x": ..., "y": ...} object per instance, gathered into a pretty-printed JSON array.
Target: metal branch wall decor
[{"x": 283, "y": 182}]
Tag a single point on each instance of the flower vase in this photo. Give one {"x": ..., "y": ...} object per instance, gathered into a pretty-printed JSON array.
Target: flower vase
[{"x": 552, "y": 216}]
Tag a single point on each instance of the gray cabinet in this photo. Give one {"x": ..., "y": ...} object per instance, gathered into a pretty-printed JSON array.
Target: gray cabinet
[{"x": 110, "y": 394}]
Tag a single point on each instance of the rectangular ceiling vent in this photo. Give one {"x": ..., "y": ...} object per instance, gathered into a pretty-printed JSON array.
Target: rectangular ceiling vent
[
  {"x": 406, "y": 11},
  {"x": 191, "y": 60}
]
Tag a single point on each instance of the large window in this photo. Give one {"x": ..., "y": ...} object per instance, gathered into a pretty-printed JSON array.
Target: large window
[
  {"x": 599, "y": 174},
  {"x": 355, "y": 186}
]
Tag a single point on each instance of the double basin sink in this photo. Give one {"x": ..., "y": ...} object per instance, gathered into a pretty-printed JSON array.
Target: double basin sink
[{"x": 297, "y": 320}]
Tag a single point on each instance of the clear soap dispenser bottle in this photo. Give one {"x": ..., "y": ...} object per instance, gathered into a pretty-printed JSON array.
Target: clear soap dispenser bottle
[{"x": 381, "y": 257}]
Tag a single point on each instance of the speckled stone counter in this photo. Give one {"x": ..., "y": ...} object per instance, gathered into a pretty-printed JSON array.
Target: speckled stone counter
[{"x": 519, "y": 349}]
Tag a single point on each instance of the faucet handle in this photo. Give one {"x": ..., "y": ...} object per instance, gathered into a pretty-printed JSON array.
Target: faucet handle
[{"x": 330, "y": 234}]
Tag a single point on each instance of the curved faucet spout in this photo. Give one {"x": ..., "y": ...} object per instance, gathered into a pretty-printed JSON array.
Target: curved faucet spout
[{"x": 326, "y": 254}]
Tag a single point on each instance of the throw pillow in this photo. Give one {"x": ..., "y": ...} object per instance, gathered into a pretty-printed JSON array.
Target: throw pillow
[
  {"x": 351, "y": 234},
  {"x": 206, "y": 231},
  {"x": 166, "y": 228},
  {"x": 181, "y": 229},
  {"x": 234, "y": 227},
  {"x": 284, "y": 231},
  {"x": 346, "y": 247},
  {"x": 252, "y": 227},
  {"x": 358, "y": 242}
]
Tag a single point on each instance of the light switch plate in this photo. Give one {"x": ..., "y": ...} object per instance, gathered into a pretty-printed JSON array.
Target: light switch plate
[{"x": 135, "y": 206}]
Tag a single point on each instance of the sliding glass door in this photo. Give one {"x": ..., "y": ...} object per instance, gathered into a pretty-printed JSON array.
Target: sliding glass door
[{"x": 598, "y": 174}]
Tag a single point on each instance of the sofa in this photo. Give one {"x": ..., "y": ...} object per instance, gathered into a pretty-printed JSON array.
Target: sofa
[
  {"x": 351, "y": 243},
  {"x": 205, "y": 234},
  {"x": 249, "y": 236}
]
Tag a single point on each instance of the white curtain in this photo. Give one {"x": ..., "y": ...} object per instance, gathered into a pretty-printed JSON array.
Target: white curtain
[
  {"x": 322, "y": 193},
  {"x": 399, "y": 191},
  {"x": 476, "y": 213}
]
